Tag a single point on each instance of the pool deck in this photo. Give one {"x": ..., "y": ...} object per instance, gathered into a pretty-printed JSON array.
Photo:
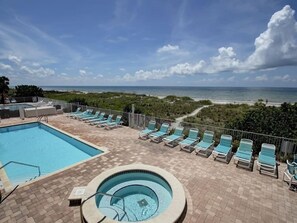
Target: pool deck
[{"x": 215, "y": 191}]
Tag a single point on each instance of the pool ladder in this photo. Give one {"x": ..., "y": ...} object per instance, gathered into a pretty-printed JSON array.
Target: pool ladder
[
  {"x": 109, "y": 195},
  {"x": 45, "y": 117},
  {"x": 23, "y": 164}
]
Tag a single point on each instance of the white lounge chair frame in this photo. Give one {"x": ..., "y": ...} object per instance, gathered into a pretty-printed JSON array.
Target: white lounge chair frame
[{"x": 290, "y": 178}]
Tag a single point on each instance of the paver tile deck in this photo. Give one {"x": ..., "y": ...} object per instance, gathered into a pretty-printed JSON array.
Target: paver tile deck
[{"x": 215, "y": 191}]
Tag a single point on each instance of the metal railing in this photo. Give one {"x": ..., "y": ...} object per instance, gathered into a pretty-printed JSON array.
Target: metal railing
[
  {"x": 44, "y": 117},
  {"x": 23, "y": 164},
  {"x": 104, "y": 194},
  {"x": 286, "y": 147}
]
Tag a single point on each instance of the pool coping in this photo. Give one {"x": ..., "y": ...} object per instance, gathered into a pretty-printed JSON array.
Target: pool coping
[
  {"x": 172, "y": 214},
  {"x": 104, "y": 150}
]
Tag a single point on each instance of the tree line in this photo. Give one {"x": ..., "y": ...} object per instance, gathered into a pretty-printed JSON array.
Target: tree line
[{"x": 19, "y": 90}]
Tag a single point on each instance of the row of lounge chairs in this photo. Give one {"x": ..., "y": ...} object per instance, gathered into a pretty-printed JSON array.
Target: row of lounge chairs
[
  {"x": 98, "y": 119},
  {"x": 223, "y": 151}
]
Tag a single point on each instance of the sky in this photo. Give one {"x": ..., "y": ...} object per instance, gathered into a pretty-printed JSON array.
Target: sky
[{"x": 149, "y": 42}]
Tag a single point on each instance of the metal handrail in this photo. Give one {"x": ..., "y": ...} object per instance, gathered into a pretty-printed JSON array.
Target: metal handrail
[
  {"x": 43, "y": 116},
  {"x": 24, "y": 164},
  {"x": 105, "y": 194},
  {"x": 19, "y": 163}
]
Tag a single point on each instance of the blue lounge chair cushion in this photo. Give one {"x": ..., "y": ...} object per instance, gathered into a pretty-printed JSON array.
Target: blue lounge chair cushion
[
  {"x": 164, "y": 128},
  {"x": 208, "y": 137},
  {"x": 243, "y": 155},
  {"x": 203, "y": 145},
  {"x": 193, "y": 134},
  {"x": 267, "y": 160},
  {"x": 187, "y": 141},
  {"x": 157, "y": 134},
  {"x": 222, "y": 149},
  {"x": 146, "y": 131},
  {"x": 172, "y": 137},
  {"x": 226, "y": 141}
]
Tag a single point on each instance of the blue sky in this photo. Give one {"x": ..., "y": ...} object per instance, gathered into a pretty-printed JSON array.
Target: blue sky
[{"x": 149, "y": 42}]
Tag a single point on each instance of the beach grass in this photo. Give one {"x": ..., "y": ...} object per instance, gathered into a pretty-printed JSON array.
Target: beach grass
[{"x": 169, "y": 107}]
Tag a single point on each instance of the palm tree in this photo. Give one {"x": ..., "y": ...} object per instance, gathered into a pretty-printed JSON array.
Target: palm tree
[{"x": 4, "y": 82}]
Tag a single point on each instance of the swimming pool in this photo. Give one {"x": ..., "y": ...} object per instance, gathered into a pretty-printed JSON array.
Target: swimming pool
[{"x": 39, "y": 145}]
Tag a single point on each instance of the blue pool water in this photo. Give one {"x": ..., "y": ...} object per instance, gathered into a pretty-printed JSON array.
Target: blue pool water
[
  {"x": 15, "y": 107},
  {"x": 141, "y": 195},
  {"x": 39, "y": 145}
]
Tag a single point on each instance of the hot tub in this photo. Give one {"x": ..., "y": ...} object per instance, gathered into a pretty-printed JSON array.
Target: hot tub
[{"x": 134, "y": 193}]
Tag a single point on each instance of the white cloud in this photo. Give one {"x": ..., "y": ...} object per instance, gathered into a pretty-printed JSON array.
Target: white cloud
[
  {"x": 225, "y": 61},
  {"x": 30, "y": 43},
  {"x": 40, "y": 72},
  {"x": 5, "y": 67},
  {"x": 82, "y": 72},
  {"x": 261, "y": 78},
  {"x": 277, "y": 46},
  {"x": 145, "y": 75},
  {"x": 188, "y": 69},
  {"x": 168, "y": 49},
  {"x": 34, "y": 64},
  {"x": 284, "y": 78},
  {"x": 14, "y": 59}
]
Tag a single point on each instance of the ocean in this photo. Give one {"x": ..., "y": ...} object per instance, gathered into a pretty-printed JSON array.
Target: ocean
[{"x": 215, "y": 94}]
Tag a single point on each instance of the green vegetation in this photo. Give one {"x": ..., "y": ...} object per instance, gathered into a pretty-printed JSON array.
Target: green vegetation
[
  {"x": 278, "y": 121},
  {"x": 270, "y": 120},
  {"x": 169, "y": 107},
  {"x": 28, "y": 91},
  {"x": 4, "y": 88},
  {"x": 220, "y": 115}
]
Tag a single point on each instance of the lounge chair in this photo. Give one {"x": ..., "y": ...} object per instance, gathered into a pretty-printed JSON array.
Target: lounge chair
[
  {"x": 223, "y": 150},
  {"x": 113, "y": 124},
  {"x": 290, "y": 174},
  {"x": 85, "y": 113},
  {"x": 74, "y": 113},
  {"x": 99, "y": 123},
  {"x": 100, "y": 118},
  {"x": 244, "y": 154},
  {"x": 188, "y": 143},
  {"x": 143, "y": 134},
  {"x": 158, "y": 136},
  {"x": 96, "y": 115},
  {"x": 205, "y": 144},
  {"x": 173, "y": 139},
  {"x": 266, "y": 160}
]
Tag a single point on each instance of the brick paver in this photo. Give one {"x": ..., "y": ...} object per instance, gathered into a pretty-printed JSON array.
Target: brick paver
[{"x": 215, "y": 191}]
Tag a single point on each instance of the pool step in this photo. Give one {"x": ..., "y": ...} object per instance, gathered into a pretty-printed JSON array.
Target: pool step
[{"x": 115, "y": 213}]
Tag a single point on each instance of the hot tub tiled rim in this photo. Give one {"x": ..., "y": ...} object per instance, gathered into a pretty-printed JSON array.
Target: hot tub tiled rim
[{"x": 171, "y": 214}]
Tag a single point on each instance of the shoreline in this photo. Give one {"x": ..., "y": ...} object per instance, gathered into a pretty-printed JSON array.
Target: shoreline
[{"x": 214, "y": 101}]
